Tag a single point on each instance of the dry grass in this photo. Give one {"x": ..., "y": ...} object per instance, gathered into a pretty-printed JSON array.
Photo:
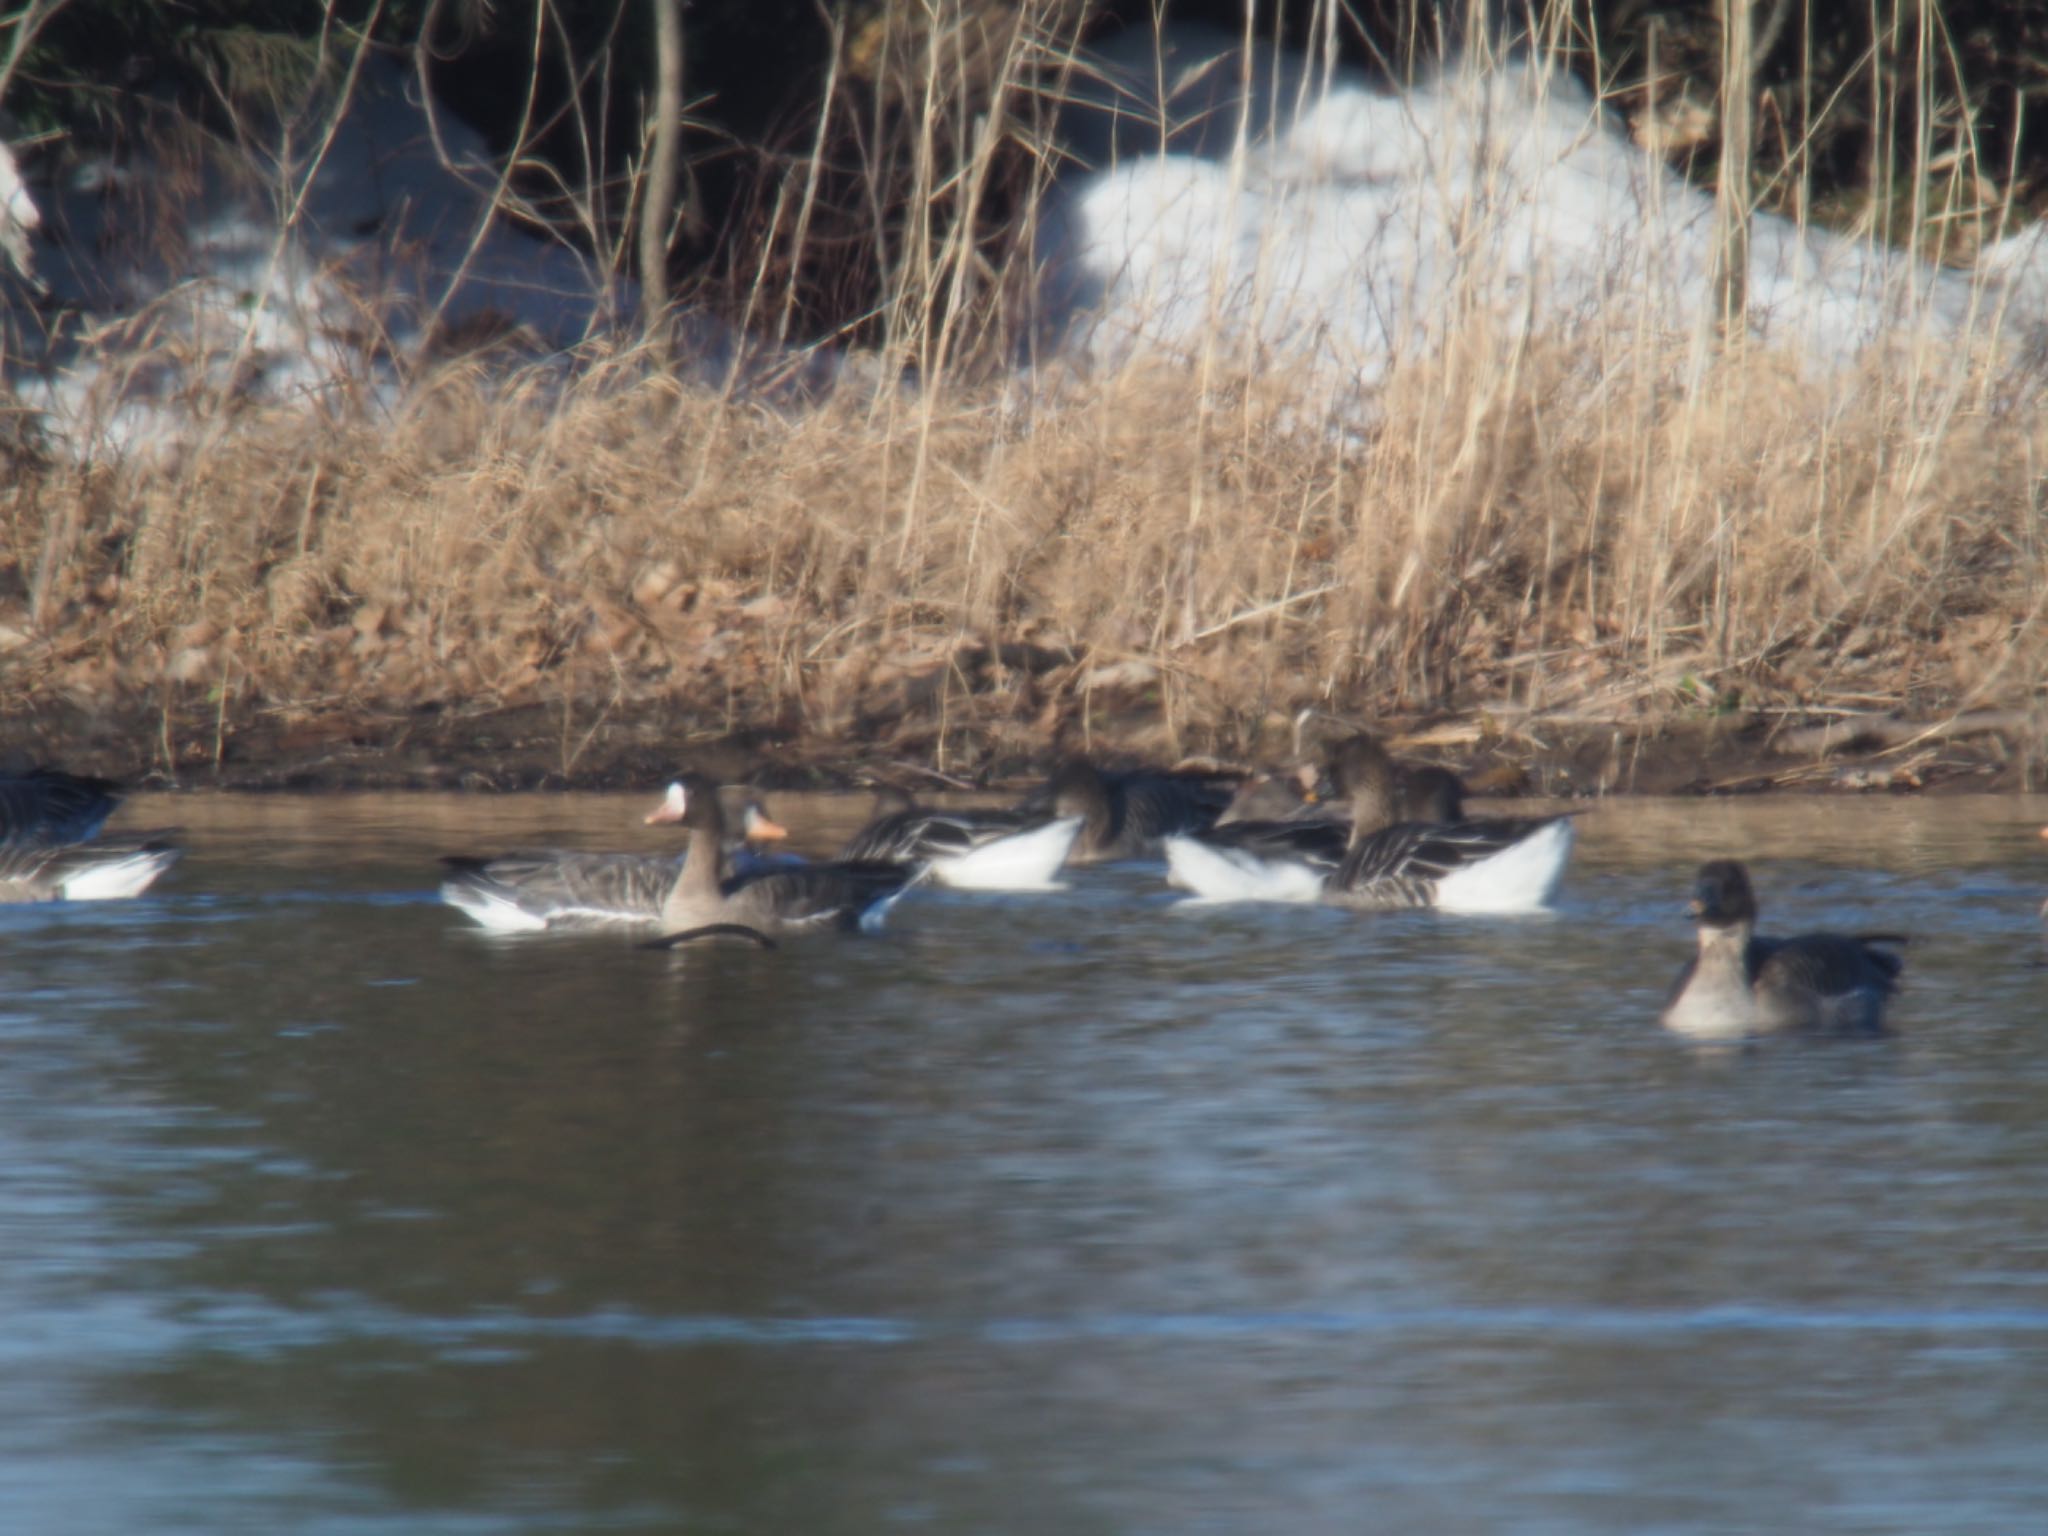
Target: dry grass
[{"x": 1535, "y": 534}]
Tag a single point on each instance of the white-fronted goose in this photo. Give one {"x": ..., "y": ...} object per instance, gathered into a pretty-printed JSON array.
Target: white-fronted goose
[
  {"x": 986, "y": 849},
  {"x": 833, "y": 895},
  {"x": 525, "y": 892},
  {"x": 50, "y": 849},
  {"x": 1377, "y": 862},
  {"x": 1740, "y": 984}
]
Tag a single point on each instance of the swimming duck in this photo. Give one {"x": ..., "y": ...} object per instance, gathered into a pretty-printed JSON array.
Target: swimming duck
[
  {"x": 1739, "y": 984},
  {"x": 50, "y": 849},
  {"x": 1375, "y": 861},
  {"x": 987, "y": 849},
  {"x": 1124, "y": 815},
  {"x": 558, "y": 888}
]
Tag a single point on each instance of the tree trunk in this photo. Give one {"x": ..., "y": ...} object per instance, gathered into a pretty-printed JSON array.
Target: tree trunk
[{"x": 658, "y": 202}]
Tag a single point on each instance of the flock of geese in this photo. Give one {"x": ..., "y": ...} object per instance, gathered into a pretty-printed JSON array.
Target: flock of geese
[
  {"x": 1359, "y": 831},
  {"x": 1366, "y": 833}
]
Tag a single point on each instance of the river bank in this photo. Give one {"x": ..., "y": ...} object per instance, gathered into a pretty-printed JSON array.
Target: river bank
[
  {"x": 538, "y": 747},
  {"x": 1561, "y": 576}
]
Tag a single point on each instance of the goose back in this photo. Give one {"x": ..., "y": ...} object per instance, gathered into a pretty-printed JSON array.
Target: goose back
[
  {"x": 560, "y": 888},
  {"x": 1124, "y": 815},
  {"x": 904, "y": 832}
]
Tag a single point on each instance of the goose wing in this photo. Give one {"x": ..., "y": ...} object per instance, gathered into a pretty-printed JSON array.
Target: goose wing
[
  {"x": 25, "y": 866},
  {"x": 1157, "y": 805},
  {"x": 841, "y": 894},
  {"x": 1321, "y": 843},
  {"x": 1397, "y": 866},
  {"x": 920, "y": 834},
  {"x": 1404, "y": 865},
  {"x": 109, "y": 870},
  {"x": 1823, "y": 981},
  {"x": 47, "y": 807},
  {"x": 1827, "y": 964},
  {"x": 556, "y": 886}
]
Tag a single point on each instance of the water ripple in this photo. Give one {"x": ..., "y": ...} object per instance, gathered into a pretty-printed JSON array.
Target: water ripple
[{"x": 243, "y": 1329}]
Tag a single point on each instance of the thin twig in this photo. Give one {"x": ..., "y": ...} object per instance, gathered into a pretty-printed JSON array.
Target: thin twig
[{"x": 1260, "y": 612}]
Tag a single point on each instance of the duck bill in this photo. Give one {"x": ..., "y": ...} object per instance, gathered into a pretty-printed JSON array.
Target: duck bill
[
  {"x": 762, "y": 830},
  {"x": 670, "y": 809}
]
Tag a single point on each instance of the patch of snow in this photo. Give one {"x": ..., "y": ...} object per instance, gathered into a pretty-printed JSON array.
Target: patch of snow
[
  {"x": 1298, "y": 216},
  {"x": 18, "y": 217},
  {"x": 288, "y": 267}
]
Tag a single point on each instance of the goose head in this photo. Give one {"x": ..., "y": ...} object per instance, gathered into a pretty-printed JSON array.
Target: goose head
[
  {"x": 756, "y": 826},
  {"x": 1721, "y": 895},
  {"x": 692, "y": 802},
  {"x": 1079, "y": 789},
  {"x": 1361, "y": 772}
]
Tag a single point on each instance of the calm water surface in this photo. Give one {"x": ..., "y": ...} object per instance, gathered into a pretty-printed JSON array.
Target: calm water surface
[{"x": 322, "y": 1211}]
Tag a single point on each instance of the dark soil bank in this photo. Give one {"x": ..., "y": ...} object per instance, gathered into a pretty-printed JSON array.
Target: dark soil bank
[{"x": 540, "y": 747}]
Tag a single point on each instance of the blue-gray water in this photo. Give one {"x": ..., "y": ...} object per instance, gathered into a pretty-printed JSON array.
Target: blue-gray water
[{"x": 321, "y": 1211}]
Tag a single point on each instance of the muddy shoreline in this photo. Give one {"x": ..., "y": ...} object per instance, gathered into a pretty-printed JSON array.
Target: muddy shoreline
[{"x": 535, "y": 747}]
